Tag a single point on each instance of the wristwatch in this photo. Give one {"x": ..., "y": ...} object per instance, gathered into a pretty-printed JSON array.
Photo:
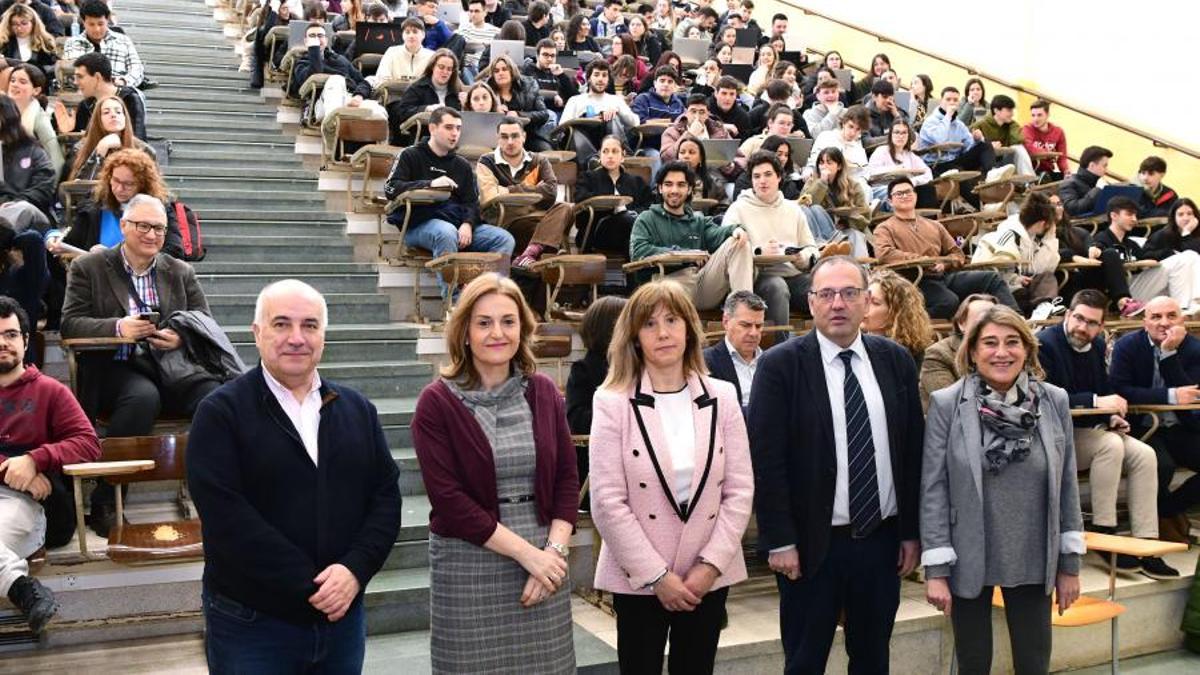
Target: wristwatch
[{"x": 557, "y": 548}]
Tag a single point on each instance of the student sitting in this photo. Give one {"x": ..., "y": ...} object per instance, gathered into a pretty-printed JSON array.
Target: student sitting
[
  {"x": 595, "y": 102},
  {"x": 24, "y": 38},
  {"x": 1157, "y": 198},
  {"x": 93, "y": 79},
  {"x": 897, "y": 154},
  {"x": 1042, "y": 136},
  {"x": 437, "y": 88},
  {"x": 550, "y": 76},
  {"x": 829, "y": 188},
  {"x": 1003, "y": 131},
  {"x": 27, "y": 88},
  {"x": 108, "y": 130},
  {"x": 847, "y": 139},
  {"x": 406, "y": 61},
  {"x": 346, "y": 86},
  {"x": 883, "y": 111},
  {"x": 611, "y": 230},
  {"x": 1177, "y": 275},
  {"x": 1079, "y": 192},
  {"x": 29, "y": 181},
  {"x": 518, "y": 95},
  {"x": 513, "y": 170},
  {"x": 1028, "y": 237},
  {"x": 790, "y": 183},
  {"x": 97, "y": 36},
  {"x": 941, "y": 127},
  {"x": 437, "y": 33}
]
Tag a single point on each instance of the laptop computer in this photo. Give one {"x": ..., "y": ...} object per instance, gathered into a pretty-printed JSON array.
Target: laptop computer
[
  {"x": 747, "y": 37},
  {"x": 375, "y": 38},
  {"x": 1108, "y": 192},
  {"x": 739, "y": 71},
  {"x": 796, "y": 57},
  {"x": 723, "y": 150},
  {"x": 801, "y": 149},
  {"x": 450, "y": 13},
  {"x": 845, "y": 78},
  {"x": 479, "y": 129},
  {"x": 692, "y": 50},
  {"x": 296, "y": 30},
  {"x": 744, "y": 54},
  {"x": 568, "y": 61},
  {"x": 904, "y": 102},
  {"x": 515, "y": 49}
]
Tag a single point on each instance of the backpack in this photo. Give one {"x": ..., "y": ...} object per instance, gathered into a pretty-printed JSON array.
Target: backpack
[{"x": 192, "y": 241}]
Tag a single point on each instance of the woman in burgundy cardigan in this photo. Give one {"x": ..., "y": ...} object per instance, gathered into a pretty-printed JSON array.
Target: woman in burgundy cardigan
[{"x": 498, "y": 464}]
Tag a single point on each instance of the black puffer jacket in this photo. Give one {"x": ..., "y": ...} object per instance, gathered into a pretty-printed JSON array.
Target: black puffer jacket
[
  {"x": 29, "y": 176},
  {"x": 332, "y": 63},
  {"x": 419, "y": 96},
  {"x": 527, "y": 102},
  {"x": 1078, "y": 193}
]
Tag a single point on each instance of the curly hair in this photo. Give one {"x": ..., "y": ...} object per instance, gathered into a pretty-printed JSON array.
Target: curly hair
[
  {"x": 145, "y": 172},
  {"x": 910, "y": 325}
]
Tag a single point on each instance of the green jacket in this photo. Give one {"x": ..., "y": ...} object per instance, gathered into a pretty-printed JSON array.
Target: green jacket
[
  {"x": 655, "y": 231},
  {"x": 1007, "y": 134}
]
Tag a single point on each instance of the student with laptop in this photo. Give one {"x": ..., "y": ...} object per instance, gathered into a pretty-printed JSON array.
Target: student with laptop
[
  {"x": 551, "y": 76},
  {"x": 477, "y": 32},
  {"x": 1079, "y": 192},
  {"x": 595, "y": 103},
  {"x": 696, "y": 122},
  {"x": 406, "y": 61},
  {"x": 1177, "y": 275},
  {"x": 724, "y": 106},
  {"x": 437, "y": 33}
]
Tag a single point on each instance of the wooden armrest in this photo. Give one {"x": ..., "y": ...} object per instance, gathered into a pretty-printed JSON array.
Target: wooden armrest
[
  {"x": 666, "y": 259},
  {"x": 1078, "y": 265},
  {"x": 1156, "y": 221},
  {"x": 958, "y": 177},
  {"x": 992, "y": 265},
  {"x": 1045, "y": 154},
  {"x": 513, "y": 199},
  {"x": 559, "y": 156},
  {"x": 463, "y": 258},
  {"x": 916, "y": 262},
  {"x": 1162, "y": 407},
  {"x": 889, "y": 176},
  {"x": 584, "y": 122},
  {"x": 414, "y": 121},
  {"x": 652, "y": 127},
  {"x": 1141, "y": 548},
  {"x": 848, "y": 211},
  {"x": 313, "y": 83},
  {"x": 96, "y": 343},
  {"x": 566, "y": 260},
  {"x": 1085, "y": 221},
  {"x": 1088, "y": 412},
  {"x": 373, "y": 151},
  {"x": 418, "y": 196},
  {"x": 604, "y": 202},
  {"x": 773, "y": 259},
  {"x": 1141, "y": 264},
  {"x": 703, "y": 204},
  {"x": 97, "y": 469},
  {"x": 940, "y": 147}
]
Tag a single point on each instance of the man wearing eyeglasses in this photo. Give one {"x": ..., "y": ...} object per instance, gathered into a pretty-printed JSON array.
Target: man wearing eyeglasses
[
  {"x": 837, "y": 469},
  {"x": 1073, "y": 356},
  {"x": 125, "y": 292},
  {"x": 907, "y": 236}
]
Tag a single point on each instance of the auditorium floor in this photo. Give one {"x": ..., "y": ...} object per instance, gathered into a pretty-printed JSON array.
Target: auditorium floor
[{"x": 753, "y": 628}]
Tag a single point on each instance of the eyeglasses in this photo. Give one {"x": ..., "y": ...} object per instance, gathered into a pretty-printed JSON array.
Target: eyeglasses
[
  {"x": 143, "y": 227},
  {"x": 826, "y": 295},
  {"x": 11, "y": 335},
  {"x": 903, "y": 193},
  {"x": 127, "y": 184},
  {"x": 1090, "y": 323}
]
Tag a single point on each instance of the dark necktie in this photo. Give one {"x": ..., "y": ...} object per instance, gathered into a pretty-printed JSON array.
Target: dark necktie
[{"x": 860, "y": 456}]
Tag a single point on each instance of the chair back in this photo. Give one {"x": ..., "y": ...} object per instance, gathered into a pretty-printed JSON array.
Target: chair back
[
  {"x": 167, "y": 451},
  {"x": 359, "y": 130}
]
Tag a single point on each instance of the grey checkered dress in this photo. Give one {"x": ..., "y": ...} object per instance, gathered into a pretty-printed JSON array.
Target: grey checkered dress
[{"x": 478, "y": 624}]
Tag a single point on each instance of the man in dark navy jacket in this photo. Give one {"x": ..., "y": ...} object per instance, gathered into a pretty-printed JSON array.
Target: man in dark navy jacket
[
  {"x": 735, "y": 357},
  {"x": 298, "y": 498},
  {"x": 836, "y": 414},
  {"x": 1160, "y": 365}
]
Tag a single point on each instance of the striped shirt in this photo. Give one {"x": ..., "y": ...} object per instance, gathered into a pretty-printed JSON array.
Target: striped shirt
[
  {"x": 120, "y": 52},
  {"x": 147, "y": 291},
  {"x": 483, "y": 34}
]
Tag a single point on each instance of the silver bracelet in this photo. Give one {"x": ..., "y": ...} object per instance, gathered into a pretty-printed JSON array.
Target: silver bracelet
[
  {"x": 657, "y": 579},
  {"x": 557, "y": 548}
]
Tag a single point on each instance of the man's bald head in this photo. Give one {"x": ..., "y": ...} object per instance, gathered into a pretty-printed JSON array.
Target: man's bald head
[
  {"x": 1161, "y": 314},
  {"x": 288, "y": 288}
]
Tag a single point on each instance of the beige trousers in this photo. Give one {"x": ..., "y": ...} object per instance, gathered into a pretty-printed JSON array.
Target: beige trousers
[
  {"x": 1107, "y": 453},
  {"x": 729, "y": 269}
]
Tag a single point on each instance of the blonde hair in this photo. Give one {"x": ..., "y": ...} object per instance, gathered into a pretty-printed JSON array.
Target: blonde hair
[
  {"x": 909, "y": 322},
  {"x": 40, "y": 40},
  {"x": 462, "y": 364},
  {"x": 625, "y": 353},
  {"x": 1000, "y": 315}
]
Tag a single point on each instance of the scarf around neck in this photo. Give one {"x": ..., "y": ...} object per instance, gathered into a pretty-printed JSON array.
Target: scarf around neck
[{"x": 1008, "y": 422}]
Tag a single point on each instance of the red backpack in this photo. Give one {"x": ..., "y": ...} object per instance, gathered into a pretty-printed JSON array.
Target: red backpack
[{"x": 189, "y": 231}]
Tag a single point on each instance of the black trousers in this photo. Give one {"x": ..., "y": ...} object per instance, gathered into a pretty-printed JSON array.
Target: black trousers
[
  {"x": 1176, "y": 446},
  {"x": 1108, "y": 278},
  {"x": 943, "y": 293},
  {"x": 980, "y": 157},
  {"x": 1027, "y": 611},
  {"x": 133, "y": 401},
  {"x": 644, "y": 626},
  {"x": 858, "y": 576}
]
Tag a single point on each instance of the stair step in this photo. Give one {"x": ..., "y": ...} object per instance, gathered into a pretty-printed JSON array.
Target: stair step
[
  {"x": 198, "y": 171},
  {"x": 407, "y": 555},
  {"x": 184, "y": 153},
  {"x": 398, "y": 600},
  {"x": 338, "y": 351},
  {"x": 170, "y": 96},
  {"x": 414, "y": 519},
  {"x": 227, "y": 228},
  {"x": 353, "y": 331},
  {"x": 378, "y": 378},
  {"x": 227, "y": 284},
  {"x": 289, "y": 215},
  {"x": 238, "y": 310},
  {"x": 410, "y": 470},
  {"x": 217, "y": 136},
  {"x": 231, "y": 103},
  {"x": 281, "y": 269},
  {"x": 251, "y": 187}
]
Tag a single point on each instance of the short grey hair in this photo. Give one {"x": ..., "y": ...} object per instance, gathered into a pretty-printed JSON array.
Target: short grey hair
[
  {"x": 747, "y": 298},
  {"x": 288, "y": 286},
  {"x": 141, "y": 199},
  {"x": 841, "y": 260}
]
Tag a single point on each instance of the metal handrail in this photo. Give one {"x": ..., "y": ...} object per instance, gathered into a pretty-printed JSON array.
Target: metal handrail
[{"x": 1154, "y": 140}]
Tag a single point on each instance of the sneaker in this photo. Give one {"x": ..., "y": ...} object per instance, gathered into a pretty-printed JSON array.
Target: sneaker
[
  {"x": 529, "y": 256},
  {"x": 1128, "y": 563},
  {"x": 1132, "y": 308},
  {"x": 35, "y": 601},
  {"x": 1157, "y": 568}
]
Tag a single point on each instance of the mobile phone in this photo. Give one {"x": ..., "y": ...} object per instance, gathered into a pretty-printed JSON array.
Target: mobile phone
[{"x": 152, "y": 317}]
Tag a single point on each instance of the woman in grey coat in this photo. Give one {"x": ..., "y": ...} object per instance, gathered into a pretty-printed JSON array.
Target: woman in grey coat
[{"x": 1000, "y": 503}]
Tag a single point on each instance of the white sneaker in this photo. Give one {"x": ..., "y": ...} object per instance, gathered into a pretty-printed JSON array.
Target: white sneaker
[{"x": 1047, "y": 309}]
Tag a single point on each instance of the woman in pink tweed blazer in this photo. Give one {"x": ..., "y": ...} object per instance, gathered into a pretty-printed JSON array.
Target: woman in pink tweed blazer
[{"x": 671, "y": 484}]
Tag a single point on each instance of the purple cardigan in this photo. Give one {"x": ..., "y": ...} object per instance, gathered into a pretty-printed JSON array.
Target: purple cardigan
[{"x": 460, "y": 475}]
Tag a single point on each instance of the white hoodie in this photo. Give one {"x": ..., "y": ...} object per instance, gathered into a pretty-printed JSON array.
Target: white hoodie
[
  {"x": 1037, "y": 256},
  {"x": 782, "y": 220}
]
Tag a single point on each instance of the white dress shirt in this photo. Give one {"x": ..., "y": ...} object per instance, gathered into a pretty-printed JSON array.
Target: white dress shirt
[
  {"x": 306, "y": 415},
  {"x": 835, "y": 376},
  {"x": 744, "y": 370}
]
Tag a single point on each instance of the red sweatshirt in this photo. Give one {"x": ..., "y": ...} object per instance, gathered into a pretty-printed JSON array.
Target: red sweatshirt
[
  {"x": 1051, "y": 140},
  {"x": 40, "y": 417}
]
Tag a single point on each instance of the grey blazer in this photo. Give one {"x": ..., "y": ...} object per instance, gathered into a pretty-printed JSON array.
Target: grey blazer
[{"x": 952, "y": 486}]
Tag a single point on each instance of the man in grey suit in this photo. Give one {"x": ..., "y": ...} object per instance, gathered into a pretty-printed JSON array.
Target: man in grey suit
[
  {"x": 735, "y": 358},
  {"x": 125, "y": 292}
]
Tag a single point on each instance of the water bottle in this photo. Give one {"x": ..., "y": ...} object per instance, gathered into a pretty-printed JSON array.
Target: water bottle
[
  {"x": 591, "y": 111},
  {"x": 75, "y": 28}
]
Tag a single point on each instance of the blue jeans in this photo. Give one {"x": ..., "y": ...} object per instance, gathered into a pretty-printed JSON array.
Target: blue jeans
[
  {"x": 239, "y": 639},
  {"x": 441, "y": 237}
]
